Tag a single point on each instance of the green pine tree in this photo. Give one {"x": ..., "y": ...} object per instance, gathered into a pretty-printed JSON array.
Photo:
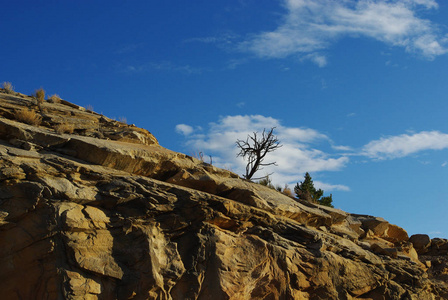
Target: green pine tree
[
  {"x": 305, "y": 190},
  {"x": 326, "y": 201}
]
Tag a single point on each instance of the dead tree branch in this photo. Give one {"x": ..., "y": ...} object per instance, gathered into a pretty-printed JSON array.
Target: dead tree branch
[{"x": 255, "y": 149}]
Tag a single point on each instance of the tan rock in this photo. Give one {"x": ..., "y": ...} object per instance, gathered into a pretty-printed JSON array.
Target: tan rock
[
  {"x": 83, "y": 217},
  {"x": 381, "y": 228},
  {"x": 97, "y": 217},
  {"x": 81, "y": 287},
  {"x": 377, "y": 248}
]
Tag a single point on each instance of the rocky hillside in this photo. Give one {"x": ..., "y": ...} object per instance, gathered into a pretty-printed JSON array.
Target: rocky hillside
[{"x": 92, "y": 208}]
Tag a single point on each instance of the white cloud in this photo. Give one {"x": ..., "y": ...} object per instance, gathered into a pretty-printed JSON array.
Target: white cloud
[
  {"x": 311, "y": 26},
  {"x": 330, "y": 187},
  {"x": 342, "y": 148},
  {"x": 427, "y": 3},
  {"x": 316, "y": 58},
  {"x": 296, "y": 156},
  {"x": 405, "y": 144},
  {"x": 301, "y": 149},
  {"x": 184, "y": 129}
]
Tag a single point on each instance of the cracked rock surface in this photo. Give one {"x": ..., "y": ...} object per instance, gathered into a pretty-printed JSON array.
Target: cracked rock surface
[{"x": 106, "y": 213}]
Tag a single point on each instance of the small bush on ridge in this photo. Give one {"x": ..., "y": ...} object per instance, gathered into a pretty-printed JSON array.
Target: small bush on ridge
[
  {"x": 65, "y": 128},
  {"x": 39, "y": 95},
  {"x": 9, "y": 89},
  {"x": 54, "y": 99},
  {"x": 28, "y": 116}
]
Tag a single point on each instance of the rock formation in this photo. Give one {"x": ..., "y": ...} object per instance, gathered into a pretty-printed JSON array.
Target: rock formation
[{"x": 104, "y": 212}]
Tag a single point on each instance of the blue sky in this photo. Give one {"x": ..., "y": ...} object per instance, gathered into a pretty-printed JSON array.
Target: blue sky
[{"x": 357, "y": 90}]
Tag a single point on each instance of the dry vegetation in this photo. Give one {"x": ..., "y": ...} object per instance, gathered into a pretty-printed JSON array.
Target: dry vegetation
[
  {"x": 39, "y": 95},
  {"x": 287, "y": 191},
  {"x": 65, "y": 128},
  {"x": 28, "y": 116},
  {"x": 54, "y": 99},
  {"x": 9, "y": 89}
]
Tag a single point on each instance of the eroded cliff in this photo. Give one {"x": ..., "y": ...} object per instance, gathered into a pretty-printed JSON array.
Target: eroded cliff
[{"x": 106, "y": 213}]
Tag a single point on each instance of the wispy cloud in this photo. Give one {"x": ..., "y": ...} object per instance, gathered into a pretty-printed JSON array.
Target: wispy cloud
[
  {"x": 309, "y": 27},
  {"x": 405, "y": 144},
  {"x": 234, "y": 63},
  {"x": 317, "y": 58},
  {"x": 225, "y": 41},
  {"x": 131, "y": 68},
  {"x": 169, "y": 66},
  {"x": 342, "y": 148},
  {"x": 435, "y": 233},
  {"x": 164, "y": 66},
  {"x": 226, "y": 38},
  {"x": 297, "y": 155}
]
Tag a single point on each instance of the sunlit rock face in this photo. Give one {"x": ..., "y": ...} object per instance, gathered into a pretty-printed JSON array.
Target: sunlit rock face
[{"x": 104, "y": 212}]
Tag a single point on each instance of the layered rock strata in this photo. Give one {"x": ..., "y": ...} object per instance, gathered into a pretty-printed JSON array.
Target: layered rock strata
[{"x": 105, "y": 212}]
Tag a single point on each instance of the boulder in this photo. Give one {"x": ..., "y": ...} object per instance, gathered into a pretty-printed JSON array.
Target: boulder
[
  {"x": 381, "y": 228},
  {"x": 421, "y": 242}
]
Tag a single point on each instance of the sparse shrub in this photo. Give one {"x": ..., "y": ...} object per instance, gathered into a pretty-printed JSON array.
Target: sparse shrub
[
  {"x": 267, "y": 181},
  {"x": 54, "y": 99},
  {"x": 28, "y": 116},
  {"x": 228, "y": 168},
  {"x": 39, "y": 95},
  {"x": 89, "y": 107},
  {"x": 65, "y": 128},
  {"x": 287, "y": 191},
  {"x": 123, "y": 120},
  {"x": 200, "y": 155},
  {"x": 7, "y": 86}
]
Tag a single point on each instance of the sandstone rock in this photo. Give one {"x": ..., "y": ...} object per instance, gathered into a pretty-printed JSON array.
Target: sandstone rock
[
  {"x": 381, "y": 228},
  {"x": 438, "y": 247},
  {"x": 421, "y": 242},
  {"x": 392, "y": 252},
  {"x": 85, "y": 123},
  {"x": 82, "y": 217},
  {"x": 408, "y": 250}
]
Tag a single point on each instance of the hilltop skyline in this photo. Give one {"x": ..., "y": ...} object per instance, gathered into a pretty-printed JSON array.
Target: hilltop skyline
[{"x": 357, "y": 90}]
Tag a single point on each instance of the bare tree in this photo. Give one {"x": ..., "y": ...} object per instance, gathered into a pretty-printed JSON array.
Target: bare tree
[{"x": 255, "y": 149}]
